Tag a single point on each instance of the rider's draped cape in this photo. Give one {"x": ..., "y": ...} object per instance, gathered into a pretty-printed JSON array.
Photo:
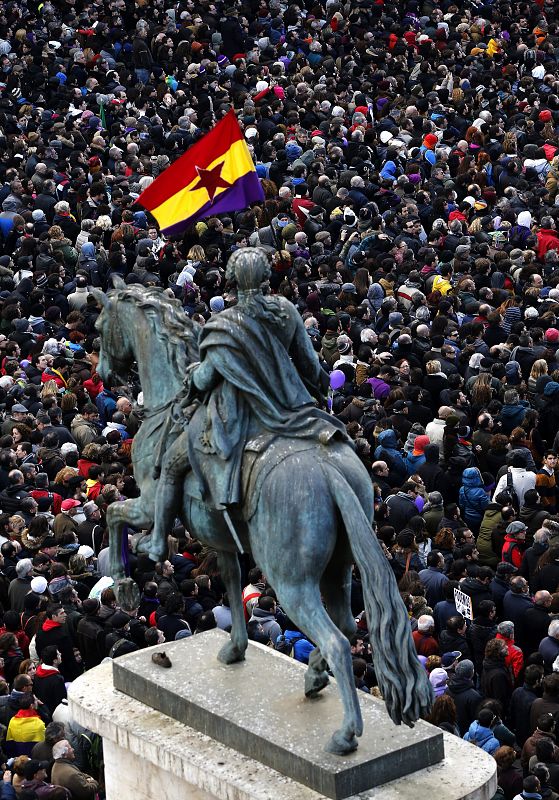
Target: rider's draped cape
[{"x": 253, "y": 387}]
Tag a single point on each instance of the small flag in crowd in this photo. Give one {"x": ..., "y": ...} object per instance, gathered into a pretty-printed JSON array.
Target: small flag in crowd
[{"x": 214, "y": 176}]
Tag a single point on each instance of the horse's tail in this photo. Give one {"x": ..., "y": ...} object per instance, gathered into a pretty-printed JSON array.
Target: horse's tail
[{"x": 401, "y": 678}]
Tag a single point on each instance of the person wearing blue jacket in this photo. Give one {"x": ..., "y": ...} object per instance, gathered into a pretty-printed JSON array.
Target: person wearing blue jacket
[
  {"x": 481, "y": 733},
  {"x": 387, "y": 450},
  {"x": 472, "y": 498}
]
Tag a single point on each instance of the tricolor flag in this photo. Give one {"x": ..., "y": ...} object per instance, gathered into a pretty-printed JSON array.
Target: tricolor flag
[{"x": 214, "y": 176}]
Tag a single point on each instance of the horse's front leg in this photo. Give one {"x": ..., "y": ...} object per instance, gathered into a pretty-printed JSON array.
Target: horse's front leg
[
  {"x": 234, "y": 649},
  {"x": 130, "y": 512}
]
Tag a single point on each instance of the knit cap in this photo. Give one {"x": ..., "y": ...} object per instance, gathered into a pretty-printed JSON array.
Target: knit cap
[{"x": 420, "y": 444}]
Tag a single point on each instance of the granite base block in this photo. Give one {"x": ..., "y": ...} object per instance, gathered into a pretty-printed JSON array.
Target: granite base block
[
  {"x": 258, "y": 708},
  {"x": 148, "y": 754}
]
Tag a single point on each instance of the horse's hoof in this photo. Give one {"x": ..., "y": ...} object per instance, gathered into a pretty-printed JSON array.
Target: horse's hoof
[
  {"x": 340, "y": 745},
  {"x": 315, "y": 682},
  {"x": 230, "y": 654}
]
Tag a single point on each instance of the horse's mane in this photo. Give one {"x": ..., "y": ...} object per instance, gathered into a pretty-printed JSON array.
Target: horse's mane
[{"x": 169, "y": 319}]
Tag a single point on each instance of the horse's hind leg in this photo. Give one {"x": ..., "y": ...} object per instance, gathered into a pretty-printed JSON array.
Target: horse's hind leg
[
  {"x": 336, "y": 593},
  {"x": 334, "y": 647},
  {"x": 234, "y": 649}
]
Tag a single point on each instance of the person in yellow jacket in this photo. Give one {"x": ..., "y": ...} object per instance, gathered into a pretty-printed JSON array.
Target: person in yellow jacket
[{"x": 442, "y": 282}]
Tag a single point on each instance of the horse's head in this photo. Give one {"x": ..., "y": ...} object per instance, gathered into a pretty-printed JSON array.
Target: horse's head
[
  {"x": 116, "y": 355},
  {"x": 147, "y": 327}
]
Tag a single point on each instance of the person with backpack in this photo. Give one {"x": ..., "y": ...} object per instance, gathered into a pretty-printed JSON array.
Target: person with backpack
[
  {"x": 292, "y": 642},
  {"x": 516, "y": 481},
  {"x": 513, "y": 548}
]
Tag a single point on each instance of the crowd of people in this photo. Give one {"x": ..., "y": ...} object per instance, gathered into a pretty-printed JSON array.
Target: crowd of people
[{"x": 409, "y": 158}]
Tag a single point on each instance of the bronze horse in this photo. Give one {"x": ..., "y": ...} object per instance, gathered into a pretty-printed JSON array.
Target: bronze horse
[{"x": 309, "y": 522}]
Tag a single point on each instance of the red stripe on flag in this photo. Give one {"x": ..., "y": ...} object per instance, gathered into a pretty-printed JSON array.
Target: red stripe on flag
[{"x": 183, "y": 171}]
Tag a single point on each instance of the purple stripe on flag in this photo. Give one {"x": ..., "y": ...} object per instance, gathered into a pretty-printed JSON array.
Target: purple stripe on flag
[{"x": 243, "y": 192}]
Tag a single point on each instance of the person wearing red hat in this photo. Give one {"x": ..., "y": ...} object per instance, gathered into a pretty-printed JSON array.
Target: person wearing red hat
[
  {"x": 545, "y": 115},
  {"x": 64, "y": 522},
  {"x": 416, "y": 457},
  {"x": 552, "y": 335}
]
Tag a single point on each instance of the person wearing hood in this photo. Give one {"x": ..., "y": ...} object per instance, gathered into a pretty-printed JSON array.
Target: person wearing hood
[
  {"x": 88, "y": 264},
  {"x": 522, "y": 231},
  {"x": 387, "y": 450},
  {"x": 438, "y": 679},
  {"x": 481, "y": 734},
  {"x": 264, "y": 614},
  {"x": 473, "y": 498}
]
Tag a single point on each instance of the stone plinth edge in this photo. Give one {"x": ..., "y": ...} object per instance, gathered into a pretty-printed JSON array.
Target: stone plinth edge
[{"x": 141, "y": 743}]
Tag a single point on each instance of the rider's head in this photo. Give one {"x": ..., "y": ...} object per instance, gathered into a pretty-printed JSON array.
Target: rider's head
[{"x": 249, "y": 267}]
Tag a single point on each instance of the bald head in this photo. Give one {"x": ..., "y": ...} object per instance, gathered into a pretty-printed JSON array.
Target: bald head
[{"x": 543, "y": 598}]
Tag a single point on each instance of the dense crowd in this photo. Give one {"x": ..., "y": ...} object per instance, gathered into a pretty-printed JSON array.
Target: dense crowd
[{"x": 409, "y": 157}]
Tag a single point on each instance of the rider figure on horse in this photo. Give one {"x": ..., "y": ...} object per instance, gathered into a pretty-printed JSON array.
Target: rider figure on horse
[{"x": 258, "y": 373}]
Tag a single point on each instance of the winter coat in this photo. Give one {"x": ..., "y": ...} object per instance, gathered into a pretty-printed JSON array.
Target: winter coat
[
  {"x": 496, "y": 681},
  {"x": 66, "y": 773},
  {"x": 482, "y": 737},
  {"x": 478, "y": 634},
  {"x": 533, "y": 627},
  {"x": 491, "y": 520},
  {"x": 519, "y": 712},
  {"x": 466, "y": 699},
  {"x": 268, "y": 623},
  {"x": 472, "y": 497},
  {"x": 49, "y": 687},
  {"x": 388, "y": 451},
  {"x": 514, "y": 660}
]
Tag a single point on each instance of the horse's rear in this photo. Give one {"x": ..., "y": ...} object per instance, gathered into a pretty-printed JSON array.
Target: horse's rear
[{"x": 312, "y": 522}]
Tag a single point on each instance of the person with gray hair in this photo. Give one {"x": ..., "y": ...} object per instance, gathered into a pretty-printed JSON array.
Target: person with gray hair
[
  {"x": 21, "y": 585},
  {"x": 515, "y": 659},
  {"x": 425, "y": 642},
  {"x": 65, "y": 773},
  {"x": 549, "y": 646}
]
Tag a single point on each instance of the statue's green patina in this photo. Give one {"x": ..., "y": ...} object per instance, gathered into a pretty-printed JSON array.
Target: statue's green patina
[{"x": 299, "y": 500}]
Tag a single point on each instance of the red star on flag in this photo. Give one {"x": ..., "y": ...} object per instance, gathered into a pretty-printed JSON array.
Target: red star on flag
[{"x": 211, "y": 180}]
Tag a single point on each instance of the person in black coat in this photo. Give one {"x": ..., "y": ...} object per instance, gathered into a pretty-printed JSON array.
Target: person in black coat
[
  {"x": 171, "y": 617},
  {"x": 466, "y": 698},
  {"x": 53, "y": 631},
  {"x": 532, "y": 555},
  {"x": 48, "y": 684},
  {"x": 483, "y": 628},
  {"x": 521, "y": 702},
  {"x": 232, "y": 34},
  {"x": 453, "y": 638},
  {"x": 496, "y": 681},
  {"x": 431, "y": 472},
  {"x": 534, "y": 623},
  {"x": 476, "y": 585}
]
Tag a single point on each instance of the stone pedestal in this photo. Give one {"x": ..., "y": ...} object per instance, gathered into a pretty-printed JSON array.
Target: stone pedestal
[
  {"x": 147, "y": 752},
  {"x": 258, "y": 707}
]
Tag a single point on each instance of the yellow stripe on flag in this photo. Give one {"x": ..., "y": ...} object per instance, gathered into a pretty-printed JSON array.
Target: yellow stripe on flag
[{"x": 237, "y": 162}]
